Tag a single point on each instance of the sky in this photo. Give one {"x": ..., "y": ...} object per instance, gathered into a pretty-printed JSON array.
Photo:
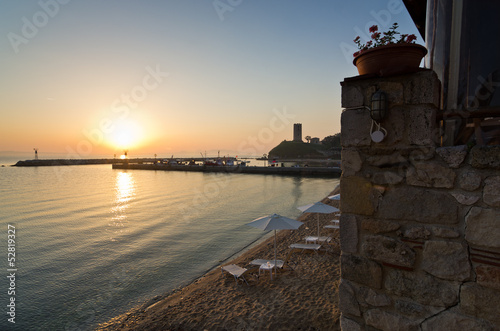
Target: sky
[{"x": 177, "y": 77}]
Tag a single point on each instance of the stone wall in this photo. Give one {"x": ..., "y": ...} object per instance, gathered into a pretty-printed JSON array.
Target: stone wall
[{"x": 420, "y": 225}]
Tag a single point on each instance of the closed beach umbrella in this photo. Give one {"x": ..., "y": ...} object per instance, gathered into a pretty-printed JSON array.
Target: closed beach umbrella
[
  {"x": 275, "y": 222},
  {"x": 319, "y": 208}
]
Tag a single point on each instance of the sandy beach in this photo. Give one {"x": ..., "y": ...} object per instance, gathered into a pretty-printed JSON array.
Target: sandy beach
[{"x": 305, "y": 298}]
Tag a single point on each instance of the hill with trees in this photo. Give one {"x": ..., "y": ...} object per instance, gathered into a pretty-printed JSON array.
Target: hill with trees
[
  {"x": 297, "y": 150},
  {"x": 332, "y": 141},
  {"x": 329, "y": 147}
]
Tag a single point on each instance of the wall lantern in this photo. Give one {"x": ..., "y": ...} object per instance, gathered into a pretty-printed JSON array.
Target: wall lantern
[{"x": 379, "y": 106}]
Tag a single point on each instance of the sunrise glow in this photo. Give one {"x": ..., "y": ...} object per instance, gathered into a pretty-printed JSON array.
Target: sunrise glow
[
  {"x": 185, "y": 77},
  {"x": 125, "y": 134}
]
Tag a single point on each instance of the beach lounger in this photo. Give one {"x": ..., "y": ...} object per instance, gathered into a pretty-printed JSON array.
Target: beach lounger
[
  {"x": 317, "y": 239},
  {"x": 313, "y": 247},
  {"x": 237, "y": 272},
  {"x": 333, "y": 226},
  {"x": 280, "y": 264},
  {"x": 334, "y": 243}
]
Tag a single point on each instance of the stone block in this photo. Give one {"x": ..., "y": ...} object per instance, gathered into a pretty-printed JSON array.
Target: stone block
[
  {"x": 388, "y": 250},
  {"x": 483, "y": 227},
  {"x": 384, "y": 320},
  {"x": 361, "y": 270},
  {"x": 417, "y": 232},
  {"x": 379, "y": 226},
  {"x": 491, "y": 191},
  {"x": 351, "y": 162},
  {"x": 422, "y": 153},
  {"x": 417, "y": 204},
  {"x": 374, "y": 298},
  {"x": 387, "y": 178},
  {"x": 421, "y": 126},
  {"x": 355, "y": 124},
  {"x": 394, "y": 123},
  {"x": 452, "y": 320},
  {"x": 423, "y": 88},
  {"x": 394, "y": 160},
  {"x": 481, "y": 302},
  {"x": 358, "y": 196},
  {"x": 430, "y": 174},
  {"x": 453, "y": 155},
  {"x": 444, "y": 232},
  {"x": 469, "y": 181},
  {"x": 415, "y": 310},
  {"x": 466, "y": 199},
  {"x": 348, "y": 304},
  {"x": 488, "y": 276},
  {"x": 369, "y": 90},
  {"x": 352, "y": 96},
  {"x": 398, "y": 157},
  {"x": 347, "y": 324},
  {"x": 446, "y": 260},
  {"x": 348, "y": 233},
  {"x": 393, "y": 90},
  {"x": 421, "y": 287},
  {"x": 485, "y": 157}
]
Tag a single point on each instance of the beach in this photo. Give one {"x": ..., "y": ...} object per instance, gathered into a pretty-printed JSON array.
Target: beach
[{"x": 305, "y": 298}]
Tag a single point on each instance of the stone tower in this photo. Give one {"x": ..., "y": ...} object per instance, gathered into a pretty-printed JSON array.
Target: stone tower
[{"x": 297, "y": 132}]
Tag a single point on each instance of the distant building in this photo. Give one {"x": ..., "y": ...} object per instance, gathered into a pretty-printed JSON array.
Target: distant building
[
  {"x": 315, "y": 140},
  {"x": 297, "y": 132}
]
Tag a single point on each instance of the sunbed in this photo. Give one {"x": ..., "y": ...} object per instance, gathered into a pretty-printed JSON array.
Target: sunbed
[
  {"x": 333, "y": 226},
  {"x": 313, "y": 247},
  {"x": 279, "y": 263},
  {"x": 237, "y": 272},
  {"x": 317, "y": 239}
]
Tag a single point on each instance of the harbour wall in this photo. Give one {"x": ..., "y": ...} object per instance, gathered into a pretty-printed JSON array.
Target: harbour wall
[{"x": 285, "y": 171}]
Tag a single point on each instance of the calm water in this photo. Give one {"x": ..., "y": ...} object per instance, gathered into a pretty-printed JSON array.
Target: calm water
[{"x": 92, "y": 242}]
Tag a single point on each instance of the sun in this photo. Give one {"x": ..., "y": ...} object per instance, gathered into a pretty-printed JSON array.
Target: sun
[{"x": 125, "y": 134}]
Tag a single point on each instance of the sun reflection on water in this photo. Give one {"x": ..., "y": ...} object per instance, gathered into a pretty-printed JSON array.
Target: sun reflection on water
[
  {"x": 124, "y": 187},
  {"x": 124, "y": 194}
]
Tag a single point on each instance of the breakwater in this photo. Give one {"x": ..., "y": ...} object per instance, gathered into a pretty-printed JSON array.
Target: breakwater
[
  {"x": 286, "y": 171},
  {"x": 64, "y": 162},
  {"x": 67, "y": 162}
]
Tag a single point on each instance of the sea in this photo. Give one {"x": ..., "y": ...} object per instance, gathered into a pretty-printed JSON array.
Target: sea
[{"x": 82, "y": 244}]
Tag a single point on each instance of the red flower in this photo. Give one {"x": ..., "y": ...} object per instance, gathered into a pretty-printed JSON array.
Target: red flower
[
  {"x": 392, "y": 36},
  {"x": 411, "y": 38}
]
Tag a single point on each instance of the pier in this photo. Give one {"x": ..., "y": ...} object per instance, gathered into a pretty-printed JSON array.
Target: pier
[
  {"x": 68, "y": 162},
  {"x": 285, "y": 171},
  {"x": 181, "y": 165},
  {"x": 63, "y": 162}
]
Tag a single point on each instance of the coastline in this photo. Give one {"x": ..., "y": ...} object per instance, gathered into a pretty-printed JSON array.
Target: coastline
[{"x": 303, "y": 298}]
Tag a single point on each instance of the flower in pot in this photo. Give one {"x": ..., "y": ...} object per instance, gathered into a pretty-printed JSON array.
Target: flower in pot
[{"x": 388, "y": 53}]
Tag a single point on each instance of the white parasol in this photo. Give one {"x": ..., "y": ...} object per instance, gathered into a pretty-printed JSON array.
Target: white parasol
[
  {"x": 319, "y": 208},
  {"x": 275, "y": 222}
]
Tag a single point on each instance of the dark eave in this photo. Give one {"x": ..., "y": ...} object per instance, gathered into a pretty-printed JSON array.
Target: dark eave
[{"x": 417, "y": 10}]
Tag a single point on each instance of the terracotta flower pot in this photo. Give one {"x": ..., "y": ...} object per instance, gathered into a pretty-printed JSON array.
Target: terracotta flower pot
[{"x": 390, "y": 59}]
